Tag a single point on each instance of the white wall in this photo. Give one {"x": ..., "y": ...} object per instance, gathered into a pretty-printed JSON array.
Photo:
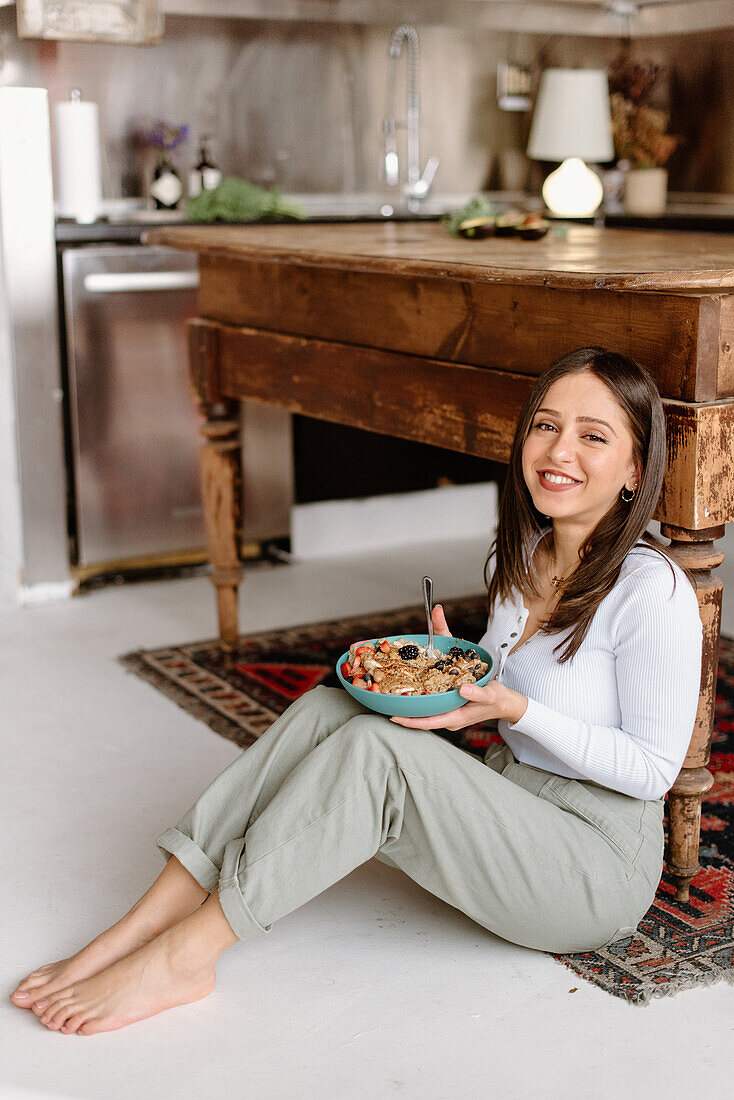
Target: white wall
[{"x": 10, "y": 535}]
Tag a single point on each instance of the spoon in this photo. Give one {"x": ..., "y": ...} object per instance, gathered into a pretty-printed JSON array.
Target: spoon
[{"x": 428, "y": 601}]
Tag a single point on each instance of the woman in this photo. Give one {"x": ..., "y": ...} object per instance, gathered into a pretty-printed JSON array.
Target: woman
[{"x": 555, "y": 841}]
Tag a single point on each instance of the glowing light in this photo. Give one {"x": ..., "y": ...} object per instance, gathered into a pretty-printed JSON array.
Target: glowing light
[{"x": 573, "y": 190}]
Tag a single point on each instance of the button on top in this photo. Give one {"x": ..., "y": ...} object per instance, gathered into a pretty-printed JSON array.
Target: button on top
[
  {"x": 504, "y": 645},
  {"x": 513, "y": 634}
]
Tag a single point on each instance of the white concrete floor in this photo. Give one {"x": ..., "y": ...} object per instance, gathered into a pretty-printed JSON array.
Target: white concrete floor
[{"x": 374, "y": 988}]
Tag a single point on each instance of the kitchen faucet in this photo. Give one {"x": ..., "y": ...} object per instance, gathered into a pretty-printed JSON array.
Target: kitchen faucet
[{"x": 417, "y": 185}]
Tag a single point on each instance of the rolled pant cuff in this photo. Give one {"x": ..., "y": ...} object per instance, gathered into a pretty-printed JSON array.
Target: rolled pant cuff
[
  {"x": 235, "y": 908},
  {"x": 196, "y": 862}
]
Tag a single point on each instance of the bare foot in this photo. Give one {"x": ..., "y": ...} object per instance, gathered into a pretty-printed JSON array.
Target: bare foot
[
  {"x": 107, "y": 948},
  {"x": 162, "y": 974},
  {"x": 173, "y": 896}
]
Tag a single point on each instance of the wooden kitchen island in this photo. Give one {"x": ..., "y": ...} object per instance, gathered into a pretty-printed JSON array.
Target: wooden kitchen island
[{"x": 402, "y": 329}]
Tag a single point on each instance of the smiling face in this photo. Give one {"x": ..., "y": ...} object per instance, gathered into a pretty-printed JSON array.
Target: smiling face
[{"x": 573, "y": 464}]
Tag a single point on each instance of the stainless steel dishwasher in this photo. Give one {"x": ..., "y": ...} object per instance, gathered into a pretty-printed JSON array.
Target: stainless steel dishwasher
[{"x": 133, "y": 425}]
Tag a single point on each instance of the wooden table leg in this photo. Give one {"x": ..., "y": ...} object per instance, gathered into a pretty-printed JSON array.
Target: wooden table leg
[
  {"x": 220, "y": 486},
  {"x": 696, "y": 550},
  {"x": 221, "y": 475}
]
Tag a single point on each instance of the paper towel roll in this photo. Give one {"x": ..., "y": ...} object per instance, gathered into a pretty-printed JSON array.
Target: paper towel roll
[{"x": 78, "y": 160}]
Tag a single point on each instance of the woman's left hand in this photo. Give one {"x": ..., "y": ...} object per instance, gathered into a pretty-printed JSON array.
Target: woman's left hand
[{"x": 494, "y": 700}]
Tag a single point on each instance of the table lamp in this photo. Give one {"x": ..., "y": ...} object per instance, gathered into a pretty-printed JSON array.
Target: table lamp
[{"x": 572, "y": 124}]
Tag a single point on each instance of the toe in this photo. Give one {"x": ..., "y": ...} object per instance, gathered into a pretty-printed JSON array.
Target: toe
[
  {"x": 46, "y": 1008},
  {"x": 43, "y": 994},
  {"x": 28, "y": 986},
  {"x": 36, "y": 977},
  {"x": 74, "y": 1023},
  {"x": 60, "y": 1015},
  {"x": 29, "y": 997},
  {"x": 56, "y": 996},
  {"x": 39, "y": 1006},
  {"x": 28, "y": 978}
]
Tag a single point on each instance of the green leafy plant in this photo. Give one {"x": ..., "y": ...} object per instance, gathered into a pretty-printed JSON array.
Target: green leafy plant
[{"x": 238, "y": 200}]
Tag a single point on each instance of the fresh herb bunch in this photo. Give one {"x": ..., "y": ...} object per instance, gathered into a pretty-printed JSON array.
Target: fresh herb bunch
[
  {"x": 238, "y": 200},
  {"x": 477, "y": 207}
]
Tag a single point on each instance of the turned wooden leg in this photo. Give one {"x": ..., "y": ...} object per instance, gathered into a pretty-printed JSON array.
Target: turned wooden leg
[
  {"x": 221, "y": 473},
  {"x": 696, "y": 550},
  {"x": 221, "y": 485}
]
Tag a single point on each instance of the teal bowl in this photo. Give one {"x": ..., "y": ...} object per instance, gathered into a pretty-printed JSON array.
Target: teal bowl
[{"x": 416, "y": 706}]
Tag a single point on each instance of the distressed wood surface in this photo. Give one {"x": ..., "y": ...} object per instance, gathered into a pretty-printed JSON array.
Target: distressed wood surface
[
  {"x": 698, "y": 490},
  {"x": 221, "y": 475},
  {"x": 204, "y": 364},
  {"x": 725, "y": 354},
  {"x": 698, "y": 553},
  {"x": 511, "y": 328},
  {"x": 460, "y": 407},
  {"x": 463, "y": 408},
  {"x": 573, "y": 256},
  {"x": 221, "y": 492}
]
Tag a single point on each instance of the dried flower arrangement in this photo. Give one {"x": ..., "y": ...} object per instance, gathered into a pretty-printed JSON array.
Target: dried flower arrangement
[
  {"x": 637, "y": 128},
  {"x": 161, "y": 135}
]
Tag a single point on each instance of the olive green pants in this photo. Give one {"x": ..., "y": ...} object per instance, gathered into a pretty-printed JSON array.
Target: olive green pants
[{"x": 546, "y": 862}]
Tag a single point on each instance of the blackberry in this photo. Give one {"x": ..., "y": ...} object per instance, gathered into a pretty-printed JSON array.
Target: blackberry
[
  {"x": 469, "y": 654},
  {"x": 408, "y": 652},
  {"x": 456, "y": 652}
]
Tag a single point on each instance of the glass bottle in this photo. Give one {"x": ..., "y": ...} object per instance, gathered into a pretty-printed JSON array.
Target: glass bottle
[
  {"x": 166, "y": 188},
  {"x": 206, "y": 174}
]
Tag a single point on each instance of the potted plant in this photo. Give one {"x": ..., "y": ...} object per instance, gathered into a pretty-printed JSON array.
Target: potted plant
[{"x": 641, "y": 142}]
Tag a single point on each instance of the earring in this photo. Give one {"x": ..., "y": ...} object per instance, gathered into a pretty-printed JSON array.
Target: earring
[{"x": 631, "y": 494}]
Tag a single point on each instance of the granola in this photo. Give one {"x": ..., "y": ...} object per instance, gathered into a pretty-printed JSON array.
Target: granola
[{"x": 402, "y": 668}]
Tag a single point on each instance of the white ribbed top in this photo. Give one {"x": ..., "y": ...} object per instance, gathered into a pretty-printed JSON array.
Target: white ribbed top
[{"x": 621, "y": 711}]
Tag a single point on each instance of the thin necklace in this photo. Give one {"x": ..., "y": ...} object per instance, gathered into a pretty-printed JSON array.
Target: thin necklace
[{"x": 556, "y": 581}]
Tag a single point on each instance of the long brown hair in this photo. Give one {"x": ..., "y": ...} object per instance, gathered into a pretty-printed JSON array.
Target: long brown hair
[{"x": 616, "y": 533}]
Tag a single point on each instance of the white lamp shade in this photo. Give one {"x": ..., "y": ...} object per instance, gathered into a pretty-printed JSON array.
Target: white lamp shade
[{"x": 572, "y": 117}]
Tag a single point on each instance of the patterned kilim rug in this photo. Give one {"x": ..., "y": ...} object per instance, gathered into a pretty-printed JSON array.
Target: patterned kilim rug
[{"x": 675, "y": 946}]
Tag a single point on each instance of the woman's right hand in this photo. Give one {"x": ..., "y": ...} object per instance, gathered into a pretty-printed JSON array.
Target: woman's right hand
[{"x": 440, "y": 626}]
